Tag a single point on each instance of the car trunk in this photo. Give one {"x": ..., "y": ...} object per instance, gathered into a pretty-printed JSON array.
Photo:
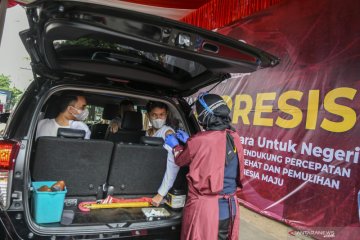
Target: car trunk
[{"x": 94, "y": 169}]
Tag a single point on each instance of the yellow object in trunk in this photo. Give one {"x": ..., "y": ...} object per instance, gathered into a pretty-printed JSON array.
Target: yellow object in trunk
[{"x": 117, "y": 205}]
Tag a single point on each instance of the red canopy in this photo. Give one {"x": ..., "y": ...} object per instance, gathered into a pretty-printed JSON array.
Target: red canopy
[
  {"x": 218, "y": 13},
  {"x": 208, "y": 14},
  {"x": 169, "y": 9},
  {"x": 11, "y": 3}
]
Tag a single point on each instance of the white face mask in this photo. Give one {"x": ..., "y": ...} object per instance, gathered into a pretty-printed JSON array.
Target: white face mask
[
  {"x": 82, "y": 115},
  {"x": 157, "y": 123}
]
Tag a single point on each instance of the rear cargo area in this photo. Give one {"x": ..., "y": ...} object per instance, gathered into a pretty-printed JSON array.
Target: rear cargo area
[{"x": 95, "y": 169}]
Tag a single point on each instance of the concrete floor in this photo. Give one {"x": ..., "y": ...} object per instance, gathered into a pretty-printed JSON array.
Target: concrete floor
[{"x": 254, "y": 226}]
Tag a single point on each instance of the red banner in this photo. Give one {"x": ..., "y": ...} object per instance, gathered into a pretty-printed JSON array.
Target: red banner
[{"x": 299, "y": 121}]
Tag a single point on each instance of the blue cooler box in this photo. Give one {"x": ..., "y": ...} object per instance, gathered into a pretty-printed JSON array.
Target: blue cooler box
[{"x": 47, "y": 207}]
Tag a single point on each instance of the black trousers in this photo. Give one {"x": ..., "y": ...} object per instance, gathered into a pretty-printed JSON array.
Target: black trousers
[{"x": 223, "y": 229}]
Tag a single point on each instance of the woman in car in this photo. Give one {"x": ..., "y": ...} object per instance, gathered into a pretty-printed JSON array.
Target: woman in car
[
  {"x": 158, "y": 113},
  {"x": 215, "y": 160}
]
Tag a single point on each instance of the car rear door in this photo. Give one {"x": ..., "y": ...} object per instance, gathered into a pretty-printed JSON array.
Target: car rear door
[{"x": 143, "y": 51}]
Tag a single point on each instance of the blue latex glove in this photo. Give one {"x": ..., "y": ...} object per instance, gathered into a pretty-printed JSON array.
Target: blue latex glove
[
  {"x": 182, "y": 136},
  {"x": 171, "y": 140}
]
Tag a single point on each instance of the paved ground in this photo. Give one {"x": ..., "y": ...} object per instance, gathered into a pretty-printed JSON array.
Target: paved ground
[{"x": 254, "y": 226}]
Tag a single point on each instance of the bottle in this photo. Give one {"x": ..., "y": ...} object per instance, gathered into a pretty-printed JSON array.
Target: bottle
[
  {"x": 58, "y": 186},
  {"x": 44, "y": 189},
  {"x": 176, "y": 199}
]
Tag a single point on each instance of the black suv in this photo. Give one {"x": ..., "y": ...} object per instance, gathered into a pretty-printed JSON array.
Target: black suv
[{"x": 108, "y": 54}]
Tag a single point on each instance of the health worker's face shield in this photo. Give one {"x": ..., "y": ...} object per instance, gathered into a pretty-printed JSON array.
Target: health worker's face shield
[
  {"x": 193, "y": 114},
  {"x": 211, "y": 110}
]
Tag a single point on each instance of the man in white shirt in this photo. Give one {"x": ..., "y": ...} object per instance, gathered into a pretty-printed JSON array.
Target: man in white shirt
[
  {"x": 157, "y": 113},
  {"x": 72, "y": 112}
]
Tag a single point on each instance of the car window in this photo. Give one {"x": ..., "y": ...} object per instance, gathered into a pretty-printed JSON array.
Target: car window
[
  {"x": 95, "y": 114},
  {"x": 92, "y": 49}
]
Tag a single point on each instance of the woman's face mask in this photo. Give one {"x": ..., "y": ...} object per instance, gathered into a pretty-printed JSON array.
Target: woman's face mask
[{"x": 81, "y": 115}]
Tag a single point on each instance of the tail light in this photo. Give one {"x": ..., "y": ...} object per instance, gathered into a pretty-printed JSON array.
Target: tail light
[{"x": 8, "y": 153}]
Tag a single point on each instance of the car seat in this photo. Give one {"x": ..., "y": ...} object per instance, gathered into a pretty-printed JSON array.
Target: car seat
[{"x": 131, "y": 128}]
